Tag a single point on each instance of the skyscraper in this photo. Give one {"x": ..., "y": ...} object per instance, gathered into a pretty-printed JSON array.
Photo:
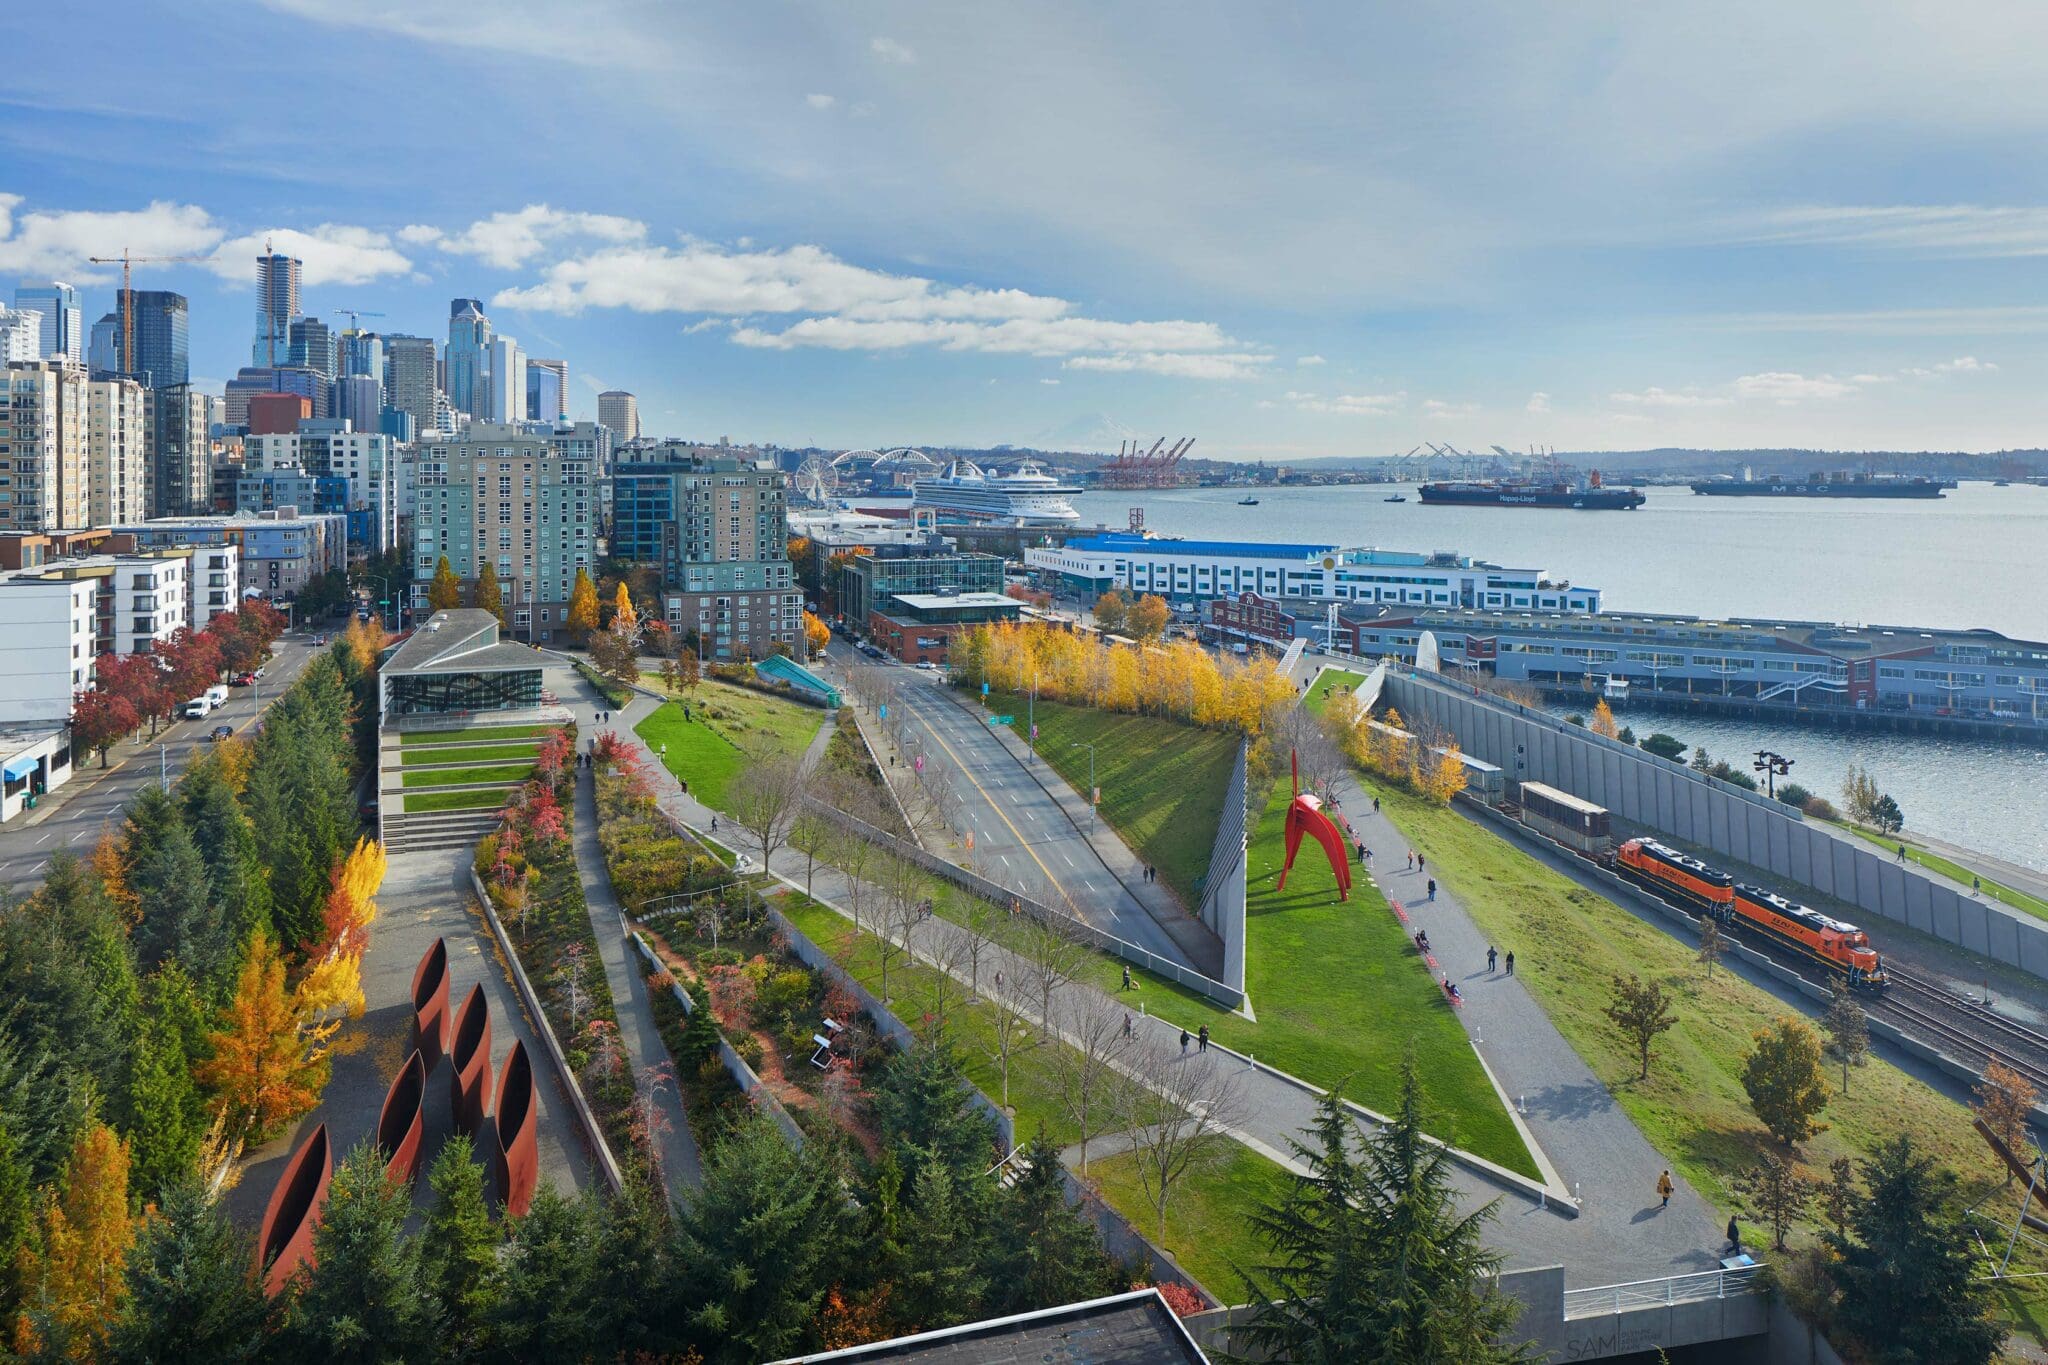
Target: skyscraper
[
  {"x": 277, "y": 308},
  {"x": 163, "y": 350},
  {"x": 508, "y": 381},
  {"x": 117, "y": 451},
  {"x": 620, "y": 411},
  {"x": 315, "y": 347},
  {"x": 547, "y": 390},
  {"x": 409, "y": 383},
  {"x": 21, "y": 335},
  {"x": 103, "y": 348},
  {"x": 469, "y": 357},
  {"x": 181, "y": 451},
  {"x": 359, "y": 398},
  {"x": 42, "y": 421},
  {"x": 362, "y": 353},
  {"x": 63, "y": 324}
]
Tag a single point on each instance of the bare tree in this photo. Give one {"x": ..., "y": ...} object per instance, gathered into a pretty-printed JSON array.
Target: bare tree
[
  {"x": 570, "y": 987},
  {"x": 767, "y": 799},
  {"x": 902, "y": 886},
  {"x": 1296, "y": 740},
  {"x": 1180, "y": 1114},
  {"x": 1052, "y": 957},
  {"x": 943, "y": 945},
  {"x": 1007, "y": 1031},
  {"x": 1087, "y": 1072},
  {"x": 983, "y": 922}
]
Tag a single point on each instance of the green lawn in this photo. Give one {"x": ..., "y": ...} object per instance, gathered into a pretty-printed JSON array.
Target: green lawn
[
  {"x": 1162, "y": 782},
  {"x": 426, "y": 801},
  {"x": 409, "y": 738},
  {"x": 726, "y": 723},
  {"x": 463, "y": 777},
  {"x": 471, "y": 753},
  {"x": 1934, "y": 862},
  {"x": 1208, "y": 1215}
]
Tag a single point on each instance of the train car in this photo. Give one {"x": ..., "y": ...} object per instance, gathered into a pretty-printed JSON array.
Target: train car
[
  {"x": 1577, "y": 824},
  {"x": 1836, "y": 944},
  {"x": 1676, "y": 876},
  {"x": 1483, "y": 781}
]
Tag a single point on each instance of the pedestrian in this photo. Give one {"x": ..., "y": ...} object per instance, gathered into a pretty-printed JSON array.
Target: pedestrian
[
  {"x": 1420, "y": 862},
  {"x": 1375, "y": 805},
  {"x": 1976, "y": 886},
  {"x": 999, "y": 981},
  {"x": 1127, "y": 976},
  {"x": 1432, "y": 888},
  {"x": 1184, "y": 1042},
  {"x": 1511, "y": 962},
  {"x": 1368, "y": 860},
  {"x": 1902, "y": 853},
  {"x": 1734, "y": 1237},
  {"x": 1492, "y": 955},
  {"x": 1664, "y": 1188},
  {"x": 1127, "y": 1023},
  {"x": 714, "y": 830},
  {"x": 1411, "y": 860},
  {"x": 1204, "y": 1035},
  {"x": 685, "y": 783},
  {"x": 1361, "y": 853}
]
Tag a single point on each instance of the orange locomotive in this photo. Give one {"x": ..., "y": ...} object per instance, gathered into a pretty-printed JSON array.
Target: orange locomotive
[{"x": 1837, "y": 945}]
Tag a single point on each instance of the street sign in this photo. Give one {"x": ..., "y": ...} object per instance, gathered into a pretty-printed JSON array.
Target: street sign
[
  {"x": 885, "y": 711},
  {"x": 984, "y": 691},
  {"x": 1002, "y": 720}
]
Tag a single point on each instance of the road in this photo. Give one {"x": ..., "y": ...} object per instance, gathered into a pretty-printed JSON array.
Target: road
[
  {"x": 75, "y": 814},
  {"x": 1026, "y": 837}
]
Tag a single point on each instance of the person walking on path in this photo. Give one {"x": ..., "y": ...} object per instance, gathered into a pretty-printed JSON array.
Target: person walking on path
[
  {"x": 1902, "y": 853},
  {"x": 1432, "y": 888},
  {"x": 1361, "y": 853},
  {"x": 1127, "y": 1023},
  {"x": 1127, "y": 976},
  {"x": 1664, "y": 1188},
  {"x": 1375, "y": 805},
  {"x": 1976, "y": 886},
  {"x": 1184, "y": 1042},
  {"x": 1492, "y": 956},
  {"x": 1734, "y": 1237},
  {"x": 1511, "y": 962},
  {"x": 1420, "y": 862},
  {"x": 1204, "y": 1035},
  {"x": 1411, "y": 860}
]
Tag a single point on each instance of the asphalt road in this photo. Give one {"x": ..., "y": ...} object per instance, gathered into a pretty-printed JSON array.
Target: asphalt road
[
  {"x": 1023, "y": 838},
  {"x": 76, "y": 813}
]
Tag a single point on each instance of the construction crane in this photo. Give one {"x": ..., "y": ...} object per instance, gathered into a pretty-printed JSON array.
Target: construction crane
[
  {"x": 128, "y": 262},
  {"x": 356, "y": 316}
]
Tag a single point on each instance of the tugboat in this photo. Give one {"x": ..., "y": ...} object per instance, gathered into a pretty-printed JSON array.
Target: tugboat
[
  {"x": 1247, "y": 502},
  {"x": 1398, "y": 497},
  {"x": 1559, "y": 490}
]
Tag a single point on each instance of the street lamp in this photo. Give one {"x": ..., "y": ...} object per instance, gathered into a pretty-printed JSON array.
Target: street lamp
[
  {"x": 1772, "y": 766},
  {"x": 1094, "y": 793},
  {"x": 384, "y": 601}
]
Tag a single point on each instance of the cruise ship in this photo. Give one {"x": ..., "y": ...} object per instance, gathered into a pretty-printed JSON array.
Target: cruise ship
[{"x": 1027, "y": 496}]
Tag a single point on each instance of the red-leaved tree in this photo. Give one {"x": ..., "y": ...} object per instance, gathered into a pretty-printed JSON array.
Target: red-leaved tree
[{"x": 100, "y": 719}]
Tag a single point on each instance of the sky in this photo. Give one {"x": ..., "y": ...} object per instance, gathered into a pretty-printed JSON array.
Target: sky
[{"x": 1288, "y": 230}]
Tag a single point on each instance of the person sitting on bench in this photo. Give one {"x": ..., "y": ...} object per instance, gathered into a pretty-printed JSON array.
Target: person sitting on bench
[{"x": 1422, "y": 939}]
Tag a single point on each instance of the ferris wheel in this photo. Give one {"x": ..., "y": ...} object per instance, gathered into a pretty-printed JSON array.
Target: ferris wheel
[{"x": 817, "y": 480}]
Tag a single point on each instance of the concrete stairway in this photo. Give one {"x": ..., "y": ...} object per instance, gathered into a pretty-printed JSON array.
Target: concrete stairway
[{"x": 437, "y": 829}]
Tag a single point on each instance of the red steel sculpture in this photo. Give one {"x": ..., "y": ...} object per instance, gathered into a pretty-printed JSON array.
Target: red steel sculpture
[
  {"x": 402, "y": 1121},
  {"x": 1305, "y": 816},
  {"x": 286, "y": 1240},
  {"x": 430, "y": 1004},
  {"x": 470, "y": 1054},
  {"x": 518, "y": 1122}
]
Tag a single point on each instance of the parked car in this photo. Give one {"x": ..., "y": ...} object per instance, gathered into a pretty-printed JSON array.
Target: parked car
[
  {"x": 242, "y": 680},
  {"x": 927, "y": 665},
  {"x": 221, "y": 732},
  {"x": 199, "y": 708}
]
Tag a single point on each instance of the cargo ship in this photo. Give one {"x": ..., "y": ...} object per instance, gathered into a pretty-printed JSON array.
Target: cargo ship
[
  {"x": 1560, "y": 491},
  {"x": 1840, "y": 485}
]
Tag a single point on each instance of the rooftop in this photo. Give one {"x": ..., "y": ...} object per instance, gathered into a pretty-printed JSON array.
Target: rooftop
[
  {"x": 933, "y": 601},
  {"x": 1126, "y": 542},
  {"x": 1124, "y": 1329},
  {"x": 459, "y": 640}
]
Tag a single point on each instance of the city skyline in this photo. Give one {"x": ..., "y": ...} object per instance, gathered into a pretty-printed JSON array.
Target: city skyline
[{"x": 1333, "y": 236}]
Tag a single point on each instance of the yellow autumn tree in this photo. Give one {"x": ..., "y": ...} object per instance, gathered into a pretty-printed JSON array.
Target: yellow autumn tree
[
  {"x": 234, "y": 758},
  {"x": 269, "y": 1060},
  {"x": 110, "y": 860},
  {"x": 1443, "y": 777},
  {"x": 78, "y": 1282},
  {"x": 1147, "y": 618},
  {"x": 582, "y": 604},
  {"x": 622, "y": 609},
  {"x": 365, "y": 640},
  {"x": 1603, "y": 720},
  {"x": 1178, "y": 679},
  {"x": 333, "y": 979},
  {"x": 817, "y": 634}
]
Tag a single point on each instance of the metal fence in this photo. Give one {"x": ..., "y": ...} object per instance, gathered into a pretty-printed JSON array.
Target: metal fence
[
  {"x": 1619, "y": 1298},
  {"x": 995, "y": 894}
]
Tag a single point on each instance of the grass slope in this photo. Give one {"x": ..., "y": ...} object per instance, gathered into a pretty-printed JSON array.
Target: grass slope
[
  {"x": 471, "y": 753},
  {"x": 427, "y": 801},
  {"x": 487, "y": 732},
  {"x": 1162, "y": 782},
  {"x": 1208, "y": 1214},
  {"x": 462, "y": 777},
  {"x": 726, "y": 723}
]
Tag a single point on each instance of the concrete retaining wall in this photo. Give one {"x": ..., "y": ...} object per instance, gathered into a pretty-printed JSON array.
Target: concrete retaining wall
[
  {"x": 1649, "y": 791},
  {"x": 1224, "y": 884}
]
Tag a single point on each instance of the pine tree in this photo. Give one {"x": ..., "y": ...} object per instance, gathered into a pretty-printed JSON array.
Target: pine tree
[
  {"x": 550, "y": 1277},
  {"x": 488, "y": 595},
  {"x": 17, "y": 1215},
  {"x": 227, "y": 841},
  {"x": 458, "y": 1247},
  {"x": 164, "y": 1121},
  {"x": 190, "y": 1296},
  {"x": 582, "y": 605},
  {"x": 923, "y": 1114},
  {"x": 1910, "y": 1291},
  {"x": 944, "y": 1249},
  {"x": 445, "y": 592},
  {"x": 180, "y": 917},
  {"x": 366, "y": 1299},
  {"x": 1044, "y": 1254}
]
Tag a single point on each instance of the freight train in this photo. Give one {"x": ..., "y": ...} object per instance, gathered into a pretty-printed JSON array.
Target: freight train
[{"x": 1837, "y": 946}]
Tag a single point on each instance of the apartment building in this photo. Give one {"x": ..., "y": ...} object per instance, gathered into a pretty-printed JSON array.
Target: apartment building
[
  {"x": 117, "y": 451},
  {"x": 45, "y": 482}
]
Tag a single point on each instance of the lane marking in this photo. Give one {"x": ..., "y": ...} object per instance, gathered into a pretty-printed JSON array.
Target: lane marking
[{"x": 1000, "y": 814}]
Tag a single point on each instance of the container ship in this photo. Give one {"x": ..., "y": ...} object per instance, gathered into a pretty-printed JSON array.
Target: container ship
[
  {"x": 1842, "y": 485},
  {"x": 1561, "y": 491}
]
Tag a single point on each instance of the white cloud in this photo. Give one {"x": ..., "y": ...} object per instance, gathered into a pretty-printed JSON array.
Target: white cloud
[
  {"x": 1310, "y": 360},
  {"x": 58, "y": 242},
  {"x": 511, "y": 239},
  {"x": 889, "y": 50},
  {"x": 1538, "y": 404},
  {"x": 334, "y": 253},
  {"x": 1786, "y": 387},
  {"x": 1437, "y": 407},
  {"x": 1971, "y": 230},
  {"x": 820, "y": 101},
  {"x": 2012, "y": 319},
  {"x": 1049, "y": 381},
  {"x": 1353, "y": 404},
  {"x": 1175, "y": 365},
  {"x": 1964, "y": 364},
  {"x": 1654, "y": 397}
]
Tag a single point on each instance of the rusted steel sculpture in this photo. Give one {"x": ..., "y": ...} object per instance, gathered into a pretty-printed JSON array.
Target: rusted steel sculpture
[
  {"x": 518, "y": 1124},
  {"x": 430, "y": 1004},
  {"x": 402, "y": 1121},
  {"x": 286, "y": 1240},
  {"x": 470, "y": 1054}
]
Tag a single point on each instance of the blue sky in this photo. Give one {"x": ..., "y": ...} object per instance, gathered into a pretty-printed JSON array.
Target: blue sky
[{"x": 1292, "y": 231}]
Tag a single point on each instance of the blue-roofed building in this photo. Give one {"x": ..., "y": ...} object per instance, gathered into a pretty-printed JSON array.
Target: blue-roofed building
[{"x": 1190, "y": 572}]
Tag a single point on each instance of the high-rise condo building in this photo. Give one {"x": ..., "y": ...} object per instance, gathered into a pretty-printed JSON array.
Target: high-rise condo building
[
  {"x": 21, "y": 335},
  {"x": 42, "y": 427},
  {"x": 469, "y": 357},
  {"x": 277, "y": 308},
  {"x": 180, "y": 451},
  {"x": 547, "y": 390},
  {"x": 409, "y": 379},
  {"x": 362, "y": 353},
  {"x": 508, "y": 382},
  {"x": 359, "y": 400},
  {"x": 315, "y": 347},
  {"x": 163, "y": 349},
  {"x": 520, "y": 501},
  {"x": 103, "y": 346},
  {"x": 63, "y": 337},
  {"x": 117, "y": 450},
  {"x": 620, "y": 411}
]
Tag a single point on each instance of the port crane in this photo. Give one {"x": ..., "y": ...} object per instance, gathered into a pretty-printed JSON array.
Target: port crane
[
  {"x": 128, "y": 261},
  {"x": 1135, "y": 467}
]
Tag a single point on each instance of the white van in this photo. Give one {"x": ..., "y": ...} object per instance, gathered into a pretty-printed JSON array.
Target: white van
[
  {"x": 199, "y": 708},
  {"x": 217, "y": 694}
]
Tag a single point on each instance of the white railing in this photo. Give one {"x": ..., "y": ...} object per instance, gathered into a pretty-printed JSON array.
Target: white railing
[{"x": 1619, "y": 1298}]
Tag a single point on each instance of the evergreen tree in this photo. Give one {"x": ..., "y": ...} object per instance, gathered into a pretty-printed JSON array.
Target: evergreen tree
[
  {"x": 165, "y": 1119},
  {"x": 365, "y": 1299},
  {"x": 759, "y": 1244},
  {"x": 921, "y": 1107},
  {"x": 549, "y": 1280},
  {"x": 458, "y": 1248},
  {"x": 943, "y": 1253},
  {"x": 180, "y": 917},
  {"x": 67, "y": 976},
  {"x": 1371, "y": 1258},
  {"x": 445, "y": 592},
  {"x": 1909, "y": 1283},
  {"x": 1045, "y": 1253},
  {"x": 631, "y": 1302},
  {"x": 227, "y": 841},
  {"x": 190, "y": 1296},
  {"x": 488, "y": 595},
  {"x": 43, "y": 1103},
  {"x": 17, "y": 1216}
]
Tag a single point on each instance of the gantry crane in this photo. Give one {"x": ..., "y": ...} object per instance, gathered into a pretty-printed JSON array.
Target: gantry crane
[{"x": 128, "y": 262}]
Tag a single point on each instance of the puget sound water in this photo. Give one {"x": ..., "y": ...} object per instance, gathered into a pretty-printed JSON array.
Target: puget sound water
[{"x": 1977, "y": 558}]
